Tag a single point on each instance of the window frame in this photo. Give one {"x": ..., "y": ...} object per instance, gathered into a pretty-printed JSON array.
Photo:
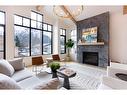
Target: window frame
[
  {"x": 62, "y": 35},
  {"x": 4, "y": 36},
  {"x": 36, "y": 29},
  {"x": 42, "y": 30},
  {"x": 51, "y": 36},
  {"x": 29, "y": 33},
  {"x": 37, "y": 20}
]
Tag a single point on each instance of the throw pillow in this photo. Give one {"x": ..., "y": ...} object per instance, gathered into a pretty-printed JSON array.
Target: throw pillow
[
  {"x": 6, "y": 68},
  {"x": 50, "y": 85},
  {"x": 8, "y": 83},
  {"x": 17, "y": 64}
]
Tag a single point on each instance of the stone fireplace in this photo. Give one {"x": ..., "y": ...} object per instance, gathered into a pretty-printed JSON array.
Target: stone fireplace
[
  {"x": 90, "y": 58},
  {"x": 94, "y": 54}
]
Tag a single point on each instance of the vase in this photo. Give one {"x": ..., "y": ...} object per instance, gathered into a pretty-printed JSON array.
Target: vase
[{"x": 54, "y": 74}]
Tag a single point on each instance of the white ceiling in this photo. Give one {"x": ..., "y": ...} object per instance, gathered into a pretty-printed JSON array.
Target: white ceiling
[{"x": 88, "y": 11}]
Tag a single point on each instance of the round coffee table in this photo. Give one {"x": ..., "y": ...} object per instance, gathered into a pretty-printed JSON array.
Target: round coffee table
[{"x": 66, "y": 73}]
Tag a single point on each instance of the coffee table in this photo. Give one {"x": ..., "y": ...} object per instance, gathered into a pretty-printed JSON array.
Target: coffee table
[
  {"x": 66, "y": 73},
  {"x": 121, "y": 76}
]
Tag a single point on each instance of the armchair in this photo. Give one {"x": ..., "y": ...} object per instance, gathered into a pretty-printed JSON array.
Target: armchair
[
  {"x": 116, "y": 68},
  {"x": 111, "y": 81},
  {"x": 37, "y": 62},
  {"x": 56, "y": 57}
]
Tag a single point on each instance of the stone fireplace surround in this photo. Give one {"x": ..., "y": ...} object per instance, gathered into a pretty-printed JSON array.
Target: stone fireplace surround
[{"x": 102, "y": 22}]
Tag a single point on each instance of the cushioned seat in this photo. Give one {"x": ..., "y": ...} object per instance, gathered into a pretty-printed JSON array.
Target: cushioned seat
[
  {"x": 21, "y": 75},
  {"x": 35, "y": 83},
  {"x": 29, "y": 83},
  {"x": 112, "y": 83},
  {"x": 21, "y": 78}
]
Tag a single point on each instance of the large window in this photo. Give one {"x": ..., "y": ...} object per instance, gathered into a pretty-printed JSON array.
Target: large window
[
  {"x": 36, "y": 33},
  {"x": 36, "y": 42},
  {"x": 62, "y": 41},
  {"x": 2, "y": 34},
  {"x": 22, "y": 38},
  {"x": 47, "y": 38},
  {"x": 32, "y": 36}
]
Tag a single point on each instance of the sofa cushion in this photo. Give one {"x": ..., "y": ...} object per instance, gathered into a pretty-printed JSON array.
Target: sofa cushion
[
  {"x": 51, "y": 84},
  {"x": 30, "y": 82},
  {"x": 21, "y": 75},
  {"x": 8, "y": 83},
  {"x": 6, "y": 68},
  {"x": 17, "y": 63},
  {"x": 114, "y": 83}
]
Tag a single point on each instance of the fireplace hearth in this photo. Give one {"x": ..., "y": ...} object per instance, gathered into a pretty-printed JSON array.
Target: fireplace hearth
[{"x": 90, "y": 58}]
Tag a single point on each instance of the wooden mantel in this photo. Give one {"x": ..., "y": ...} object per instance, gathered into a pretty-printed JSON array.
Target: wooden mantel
[{"x": 96, "y": 43}]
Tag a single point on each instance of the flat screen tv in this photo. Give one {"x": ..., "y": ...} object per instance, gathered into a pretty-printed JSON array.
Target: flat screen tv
[{"x": 89, "y": 35}]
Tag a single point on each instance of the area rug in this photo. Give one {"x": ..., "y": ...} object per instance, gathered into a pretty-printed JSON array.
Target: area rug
[{"x": 87, "y": 77}]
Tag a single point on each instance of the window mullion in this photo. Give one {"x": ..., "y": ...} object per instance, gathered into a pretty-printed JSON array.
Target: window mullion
[
  {"x": 42, "y": 40},
  {"x": 30, "y": 39},
  {"x": 3, "y": 23}
]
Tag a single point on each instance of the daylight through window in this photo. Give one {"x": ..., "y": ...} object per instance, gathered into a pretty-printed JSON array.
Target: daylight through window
[
  {"x": 62, "y": 41},
  {"x": 2, "y": 34},
  {"x": 32, "y": 36}
]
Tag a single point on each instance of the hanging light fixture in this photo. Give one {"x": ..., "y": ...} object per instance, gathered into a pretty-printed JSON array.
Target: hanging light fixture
[{"x": 73, "y": 10}]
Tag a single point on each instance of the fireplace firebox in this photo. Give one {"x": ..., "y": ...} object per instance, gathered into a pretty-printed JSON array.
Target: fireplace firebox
[{"x": 90, "y": 58}]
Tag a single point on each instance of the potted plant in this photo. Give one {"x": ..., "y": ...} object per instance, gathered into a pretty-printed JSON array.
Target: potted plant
[
  {"x": 69, "y": 44},
  {"x": 54, "y": 66}
]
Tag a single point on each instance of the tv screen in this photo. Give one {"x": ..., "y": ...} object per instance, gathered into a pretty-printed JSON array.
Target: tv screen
[{"x": 89, "y": 35}]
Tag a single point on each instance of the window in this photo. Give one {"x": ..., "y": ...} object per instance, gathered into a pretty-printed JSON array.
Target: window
[
  {"x": 36, "y": 42},
  {"x": 32, "y": 36},
  {"x": 62, "y": 41},
  {"x": 36, "y": 20},
  {"x": 47, "y": 38},
  {"x": 2, "y": 34},
  {"x": 36, "y": 33},
  {"x": 74, "y": 38},
  {"x": 22, "y": 38}
]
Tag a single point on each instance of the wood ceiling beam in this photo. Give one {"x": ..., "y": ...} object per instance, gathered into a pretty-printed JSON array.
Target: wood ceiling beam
[
  {"x": 67, "y": 12},
  {"x": 125, "y": 9},
  {"x": 39, "y": 8}
]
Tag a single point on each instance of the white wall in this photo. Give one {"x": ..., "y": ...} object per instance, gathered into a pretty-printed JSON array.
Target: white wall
[
  {"x": 26, "y": 11},
  {"x": 118, "y": 37}
]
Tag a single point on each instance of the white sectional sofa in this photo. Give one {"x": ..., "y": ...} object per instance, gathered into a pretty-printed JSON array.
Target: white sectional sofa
[
  {"x": 13, "y": 75},
  {"x": 111, "y": 81}
]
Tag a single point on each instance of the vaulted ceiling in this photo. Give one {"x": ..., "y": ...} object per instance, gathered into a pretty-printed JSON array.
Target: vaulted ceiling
[{"x": 88, "y": 11}]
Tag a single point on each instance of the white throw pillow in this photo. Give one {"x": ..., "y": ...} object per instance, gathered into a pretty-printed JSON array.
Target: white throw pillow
[
  {"x": 8, "y": 83},
  {"x": 49, "y": 85},
  {"x": 17, "y": 64},
  {"x": 6, "y": 68}
]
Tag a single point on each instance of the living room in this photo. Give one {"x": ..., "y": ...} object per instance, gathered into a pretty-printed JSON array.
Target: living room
[{"x": 87, "y": 42}]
